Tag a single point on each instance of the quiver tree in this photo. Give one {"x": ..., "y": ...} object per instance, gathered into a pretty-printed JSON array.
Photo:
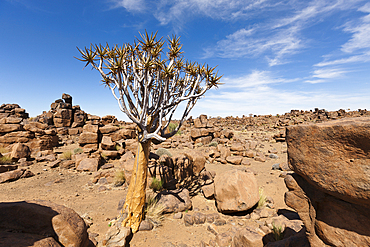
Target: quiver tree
[{"x": 148, "y": 85}]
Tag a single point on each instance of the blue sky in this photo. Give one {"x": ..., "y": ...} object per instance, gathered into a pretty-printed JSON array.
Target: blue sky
[{"x": 275, "y": 55}]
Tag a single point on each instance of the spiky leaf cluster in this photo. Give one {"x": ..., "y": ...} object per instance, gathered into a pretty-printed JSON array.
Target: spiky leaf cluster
[{"x": 148, "y": 82}]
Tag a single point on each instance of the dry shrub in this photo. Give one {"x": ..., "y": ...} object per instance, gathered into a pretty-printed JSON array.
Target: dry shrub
[{"x": 119, "y": 178}]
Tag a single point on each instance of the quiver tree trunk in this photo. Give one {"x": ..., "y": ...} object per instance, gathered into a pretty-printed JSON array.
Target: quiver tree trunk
[{"x": 135, "y": 198}]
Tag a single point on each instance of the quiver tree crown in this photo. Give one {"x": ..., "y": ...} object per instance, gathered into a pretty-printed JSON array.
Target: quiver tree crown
[{"x": 149, "y": 83}]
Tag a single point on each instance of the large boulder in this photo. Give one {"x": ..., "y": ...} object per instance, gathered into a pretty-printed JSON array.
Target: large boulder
[
  {"x": 333, "y": 156},
  {"x": 235, "y": 191},
  {"x": 39, "y": 220},
  {"x": 330, "y": 190}
]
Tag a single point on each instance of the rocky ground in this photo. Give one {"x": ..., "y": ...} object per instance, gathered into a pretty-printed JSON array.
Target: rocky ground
[
  {"x": 75, "y": 159},
  {"x": 98, "y": 203}
]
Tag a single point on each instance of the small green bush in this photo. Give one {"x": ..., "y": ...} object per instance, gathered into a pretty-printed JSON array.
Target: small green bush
[
  {"x": 172, "y": 127},
  {"x": 277, "y": 231},
  {"x": 213, "y": 144},
  {"x": 156, "y": 184},
  {"x": 78, "y": 150},
  {"x": 67, "y": 155},
  {"x": 118, "y": 147},
  {"x": 162, "y": 151}
]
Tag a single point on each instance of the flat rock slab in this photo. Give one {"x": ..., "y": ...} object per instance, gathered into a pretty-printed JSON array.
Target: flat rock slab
[{"x": 334, "y": 157}]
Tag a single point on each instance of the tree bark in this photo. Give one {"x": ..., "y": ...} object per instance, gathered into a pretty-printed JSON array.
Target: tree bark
[{"x": 135, "y": 198}]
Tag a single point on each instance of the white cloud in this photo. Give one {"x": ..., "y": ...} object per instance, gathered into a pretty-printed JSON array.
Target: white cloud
[
  {"x": 361, "y": 33},
  {"x": 253, "y": 42},
  {"x": 261, "y": 93},
  {"x": 328, "y": 73},
  {"x": 131, "y": 5}
]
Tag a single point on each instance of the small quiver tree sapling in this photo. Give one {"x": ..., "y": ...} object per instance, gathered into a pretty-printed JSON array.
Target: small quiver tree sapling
[{"x": 148, "y": 85}]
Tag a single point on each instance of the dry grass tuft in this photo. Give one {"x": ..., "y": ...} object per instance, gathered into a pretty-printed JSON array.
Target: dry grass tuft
[
  {"x": 154, "y": 211},
  {"x": 67, "y": 155},
  {"x": 262, "y": 200}
]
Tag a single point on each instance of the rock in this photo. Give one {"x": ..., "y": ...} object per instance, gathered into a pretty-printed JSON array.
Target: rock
[
  {"x": 235, "y": 160},
  {"x": 117, "y": 236},
  {"x": 260, "y": 158},
  {"x": 247, "y": 237},
  {"x": 245, "y": 162},
  {"x": 235, "y": 191},
  {"x": 26, "y": 239},
  {"x": 177, "y": 215},
  {"x": 15, "y": 175},
  {"x": 335, "y": 222},
  {"x": 89, "y": 164},
  {"x": 183, "y": 167},
  {"x": 6, "y": 128},
  {"x": 146, "y": 226},
  {"x": 19, "y": 151},
  {"x": 88, "y": 138},
  {"x": 208, "y": 191},
  {"x": 250, "y": 154},
  {"x": 199, "y": 218},
  {"x": 6, "y": 168},
  {"x": 224, "y": 239},
  {"x": 91, "y": 128},
  {"x": 213, "y": 229},
  {"x": 224, "y": 151},
  {"x": 174, "y": 200},
  {"x": 108, "y": 129},
  {"x": 197, "y": 159},
  {"x": 330, "y": 190},
  {"x": 273, "y": 156},
  {"x": 44, "y": 218},
  {"x": 188, "y": 220},
  {"x": 333, "y": 156},
  {"x": 219, "y": 222},
  {"x": 275, "y": 166}
]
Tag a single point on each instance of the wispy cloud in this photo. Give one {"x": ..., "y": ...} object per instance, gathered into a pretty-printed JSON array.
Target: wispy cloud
[
  {"x": 280, "y": 37},
  {"x": 357, "y": 48},
  {"x": 131, "y": 5}
]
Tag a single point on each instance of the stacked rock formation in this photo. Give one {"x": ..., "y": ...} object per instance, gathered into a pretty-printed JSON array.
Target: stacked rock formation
[{"x": 331, "y": 186}]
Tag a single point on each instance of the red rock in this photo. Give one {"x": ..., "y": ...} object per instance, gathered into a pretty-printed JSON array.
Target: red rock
[
  {"x": 247, "y": 237},
  {"x": 108, "y": 129},
  {"x": 235, "y": 160},
  {"x": 88, "y": 138},
  {"x": 88, "y": 164},
  {"x": 107, "y": 144},
  {"x": 333, "y": 156},
  {"x": 235, "y": 191},
  {"x": 250, "y": 154},
  {"x": 91, "y": 128},
  {"x": 19, "y": 151},
  {"x": 6, "y": 128},
  {"x": 197, "y": 159}
]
